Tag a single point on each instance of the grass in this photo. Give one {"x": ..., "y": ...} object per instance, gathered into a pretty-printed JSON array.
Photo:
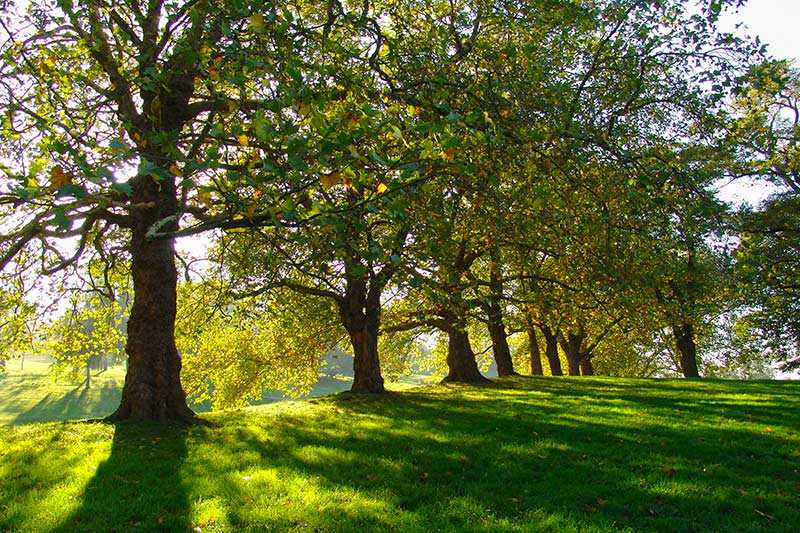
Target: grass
[
  {"x": 29, "y": 393},
  {"x": 583, "y": 454}
]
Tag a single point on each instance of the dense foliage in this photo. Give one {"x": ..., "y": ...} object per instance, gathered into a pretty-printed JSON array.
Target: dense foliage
[{"x": 419, "y": 183}]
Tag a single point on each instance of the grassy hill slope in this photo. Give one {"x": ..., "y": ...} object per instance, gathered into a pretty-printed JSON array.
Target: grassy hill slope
[{"x": 526, "y": 454}]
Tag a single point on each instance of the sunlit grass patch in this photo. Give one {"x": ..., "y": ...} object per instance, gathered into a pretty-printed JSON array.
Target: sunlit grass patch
[{"x": 524, "y": 454}]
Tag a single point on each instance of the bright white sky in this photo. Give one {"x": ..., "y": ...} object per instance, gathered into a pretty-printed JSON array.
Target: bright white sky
[{"x": 775, "y": 22}]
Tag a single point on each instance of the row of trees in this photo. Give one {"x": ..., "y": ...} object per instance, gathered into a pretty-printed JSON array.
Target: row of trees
[{"x": 374, "y": 171}]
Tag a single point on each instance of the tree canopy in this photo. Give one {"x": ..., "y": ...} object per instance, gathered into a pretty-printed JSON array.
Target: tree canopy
[{"x": 375, "y": 175}]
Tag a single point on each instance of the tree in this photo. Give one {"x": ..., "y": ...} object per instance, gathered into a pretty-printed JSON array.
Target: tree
[
  {"x": 768, "y": 257},
  {"x": 90, "y": 330},
  {"x": 767, "y": 264},
  {"x": 127, "y": 119},
  {"x": 17, "y": 323},
  {"x": 234, "y": 350}
]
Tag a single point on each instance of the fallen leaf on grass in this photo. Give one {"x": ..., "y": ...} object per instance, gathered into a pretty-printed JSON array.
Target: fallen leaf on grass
[{"x": 765, "y": 515}]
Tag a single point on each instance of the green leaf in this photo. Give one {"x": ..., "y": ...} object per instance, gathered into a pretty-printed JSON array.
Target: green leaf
[
  {"x": 76, "y": 191},
  {"x": 124, "y": 188}
]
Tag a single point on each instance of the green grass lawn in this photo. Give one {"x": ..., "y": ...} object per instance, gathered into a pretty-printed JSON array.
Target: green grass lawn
[
  {"x": 29, "y": 393},
  {"x": 559, "y": 454}
]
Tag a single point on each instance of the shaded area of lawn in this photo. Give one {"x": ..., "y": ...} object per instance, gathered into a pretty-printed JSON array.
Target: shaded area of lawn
[
  {"x": 526, "y": 454},
  {"x": 34, "y": 395}
]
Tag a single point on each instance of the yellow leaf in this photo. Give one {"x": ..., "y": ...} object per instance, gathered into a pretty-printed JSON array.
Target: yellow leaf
[
  {"x": 450, "y": 154},
  {"x": 330, "y": 180},
  {"x": 204, "y": 197},
  {"x": 231, "y": 106},
  {"x": 257, "y": 22},
  {"x": 175, "y": 169},
  {"x": 303, "y": 108},
  {"x": 59, "y": 178},
  {"x": 243, "y": 140},
  {"x": 382, "y": 188}
]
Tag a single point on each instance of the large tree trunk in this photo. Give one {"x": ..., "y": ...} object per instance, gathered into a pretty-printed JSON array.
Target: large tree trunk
[
  {"x": 551, "y": 351},
  {"x": 572, "y": 348},
  {"x": 587, "y": 369},
  {"x": 684, "y": 340},
  {"x": 533, "y": 348},
  {"x": 366, "y": 364},
  {"x": 500, "y": 349},
  {"x": 497, "y": 329},
  {"x": 360, "y": 313},
  {"x": 152, "y": 389},
  {"x": 463, "y": 368}
]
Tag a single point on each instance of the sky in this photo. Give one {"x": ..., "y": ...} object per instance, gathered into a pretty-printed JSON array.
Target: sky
[{"x": 775, "y": 21}]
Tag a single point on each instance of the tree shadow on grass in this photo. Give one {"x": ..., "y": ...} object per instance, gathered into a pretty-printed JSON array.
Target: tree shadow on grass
[
  {"x": 529, "y": 456},
  {"x": 462, "y": 459},
  {"x": 139, "y": 486},
  {"x": 81, "y": 402}
]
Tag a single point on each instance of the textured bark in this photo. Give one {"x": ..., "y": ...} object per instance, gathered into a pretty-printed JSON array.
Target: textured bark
[
  {"x": 152, "y": 389},
  {"x": 551, "y": 351},
  {"x": 572, "y": 349},
  {"x": 360, "y": 313},
  {"x": 684, "y": 340},
  {"x": 586, "y": 367},
  {"x": 500, "y": 349},
  {"x": 497, "y": 328},
  {"x": 461, "y": 364},
  {"x": 536, "y": 356},
  {"x": 366, "y": 364}
]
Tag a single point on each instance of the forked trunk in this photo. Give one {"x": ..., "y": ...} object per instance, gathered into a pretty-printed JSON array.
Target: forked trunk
[
  {"x": 461, "y": 359},
  {"x": 152, "y": 389},
  {"x": 684, "y": 340},
  {"x": 360, "y": 313},
  {"x": 586, "y": 367},
  {"x": 551, "y": 351},
  {"x": 572, "y": 349},
  {"x": 366, "y": 365},
  {"x": 536, "y": 356}
]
